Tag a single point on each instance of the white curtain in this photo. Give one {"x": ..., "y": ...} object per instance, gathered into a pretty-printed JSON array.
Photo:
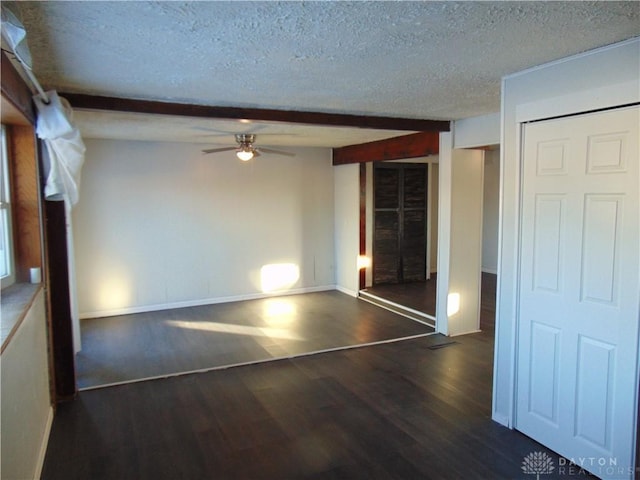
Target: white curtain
[
  {"x": 64, "y": 148},
  {"x": 62, "y": 159},
  {"x": 15, "y": 35}
]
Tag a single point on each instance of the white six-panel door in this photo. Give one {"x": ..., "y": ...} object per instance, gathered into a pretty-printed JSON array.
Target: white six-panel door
[{"x": 579, "y": 288}]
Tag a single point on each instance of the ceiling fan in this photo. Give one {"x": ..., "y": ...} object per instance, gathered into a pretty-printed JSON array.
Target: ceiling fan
[{"x": 246, "y": 150}]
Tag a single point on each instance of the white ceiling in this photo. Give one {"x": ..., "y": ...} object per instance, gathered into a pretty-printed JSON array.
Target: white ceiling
[
  {"x": 428, "y": 60},
  {"x": 134, "y": 126}
]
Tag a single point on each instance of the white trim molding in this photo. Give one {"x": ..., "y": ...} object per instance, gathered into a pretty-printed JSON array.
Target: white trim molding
[
  {"x": 346, "y": 291},
  {"x": 209, "y": 301}
]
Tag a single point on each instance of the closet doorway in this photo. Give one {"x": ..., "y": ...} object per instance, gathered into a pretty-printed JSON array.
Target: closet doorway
[{"x": 400, "y": 223}]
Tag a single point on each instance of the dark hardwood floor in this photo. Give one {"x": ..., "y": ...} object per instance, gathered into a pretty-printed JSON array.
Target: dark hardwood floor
[
  {"x": 488, "y": 303},
  {"x": 130, "y": 347},
  {"x": 392, "y": 411},
  {"x": 421, "y": 296},
  {"x": 415, "y": 409}
]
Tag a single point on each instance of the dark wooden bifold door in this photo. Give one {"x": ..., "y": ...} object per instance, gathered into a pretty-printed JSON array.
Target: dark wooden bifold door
[{"x": 400, "y": 220}]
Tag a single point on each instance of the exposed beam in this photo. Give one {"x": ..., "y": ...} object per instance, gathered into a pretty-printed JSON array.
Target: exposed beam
[
  {"x": 407, "y": 146},
  {"x": 94, "y": 102}
]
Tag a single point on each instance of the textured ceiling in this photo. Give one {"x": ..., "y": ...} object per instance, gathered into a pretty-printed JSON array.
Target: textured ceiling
[{"x": 431, "y": 60}]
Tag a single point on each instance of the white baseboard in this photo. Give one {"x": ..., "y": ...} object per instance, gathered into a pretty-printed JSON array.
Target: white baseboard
[
  {"x": 501, "y": 419},
  {"x": 346, "y": 291},
  {"x": 200, "y": 302},
  {"x": 465, "y": 333},
  {"x": 43, "y": 445},
  {"x": 489, "y": 270}
]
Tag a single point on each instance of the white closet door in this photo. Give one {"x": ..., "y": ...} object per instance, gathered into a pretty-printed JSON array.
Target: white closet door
[{"x": 579, "y": 291}]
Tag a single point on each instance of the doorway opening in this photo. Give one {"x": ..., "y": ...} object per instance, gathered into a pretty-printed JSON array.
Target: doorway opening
[
  {"x": 401, "y": 237},
  {"x": 418, "y": 298}
]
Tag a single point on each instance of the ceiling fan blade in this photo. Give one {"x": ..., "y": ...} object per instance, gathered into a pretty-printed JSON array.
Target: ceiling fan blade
[
  {"x": 211, "y": 135},
  {"x": 244, "y": 130},
  {"x": 276, "y": 152},
  {"x": 216, "y": 150},
  {"x": 277, "y": 135},
  {"x": 256, "y": 153},
  {"x": 210, "y": 130}
]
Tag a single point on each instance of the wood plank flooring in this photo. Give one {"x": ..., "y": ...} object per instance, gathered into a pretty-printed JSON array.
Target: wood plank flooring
[
  {"x": 420, "y": 296},
  {"x": 392, "y": 411},
  {"x": 405, "y": 410},
  {"x": 488, "y": 303},
  {"x": 130, "y": 347}
]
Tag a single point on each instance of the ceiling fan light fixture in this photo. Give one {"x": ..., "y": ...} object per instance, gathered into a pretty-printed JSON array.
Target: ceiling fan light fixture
[
  {"x": 245, "y": 150},
  {"x": 244, "y": 155}
]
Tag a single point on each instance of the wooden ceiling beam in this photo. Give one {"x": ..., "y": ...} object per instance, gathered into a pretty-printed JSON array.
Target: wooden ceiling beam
[
  {"x": 406, "y": 146},
  {"x": 94, "y": 102}
]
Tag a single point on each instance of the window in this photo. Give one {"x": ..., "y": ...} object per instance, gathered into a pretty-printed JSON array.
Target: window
[{"x": 7, "y": 274}]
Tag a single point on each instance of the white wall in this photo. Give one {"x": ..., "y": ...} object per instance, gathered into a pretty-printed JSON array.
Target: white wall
[
  {"x": 490, "y": 211},
  {"x": 347, "y": 227},
  {"x": 466, "y": 242},
  {"x": 25, "y": 410},
  {"x": 460, "y": 239},
  {"x": 161, "y": 225},
  {"x": 484, "y": 131},
  {"x": 599, "y": 79},
  {"x": 479, "y": 131}
]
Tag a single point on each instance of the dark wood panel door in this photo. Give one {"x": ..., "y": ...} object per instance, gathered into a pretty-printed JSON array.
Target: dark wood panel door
[{"x": 400, "y": 223}]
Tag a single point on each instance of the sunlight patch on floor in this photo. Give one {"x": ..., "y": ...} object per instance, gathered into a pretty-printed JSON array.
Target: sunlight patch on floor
[
  {"x": 281, "y": 333},
  {"x": 280, "y": 313}
]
